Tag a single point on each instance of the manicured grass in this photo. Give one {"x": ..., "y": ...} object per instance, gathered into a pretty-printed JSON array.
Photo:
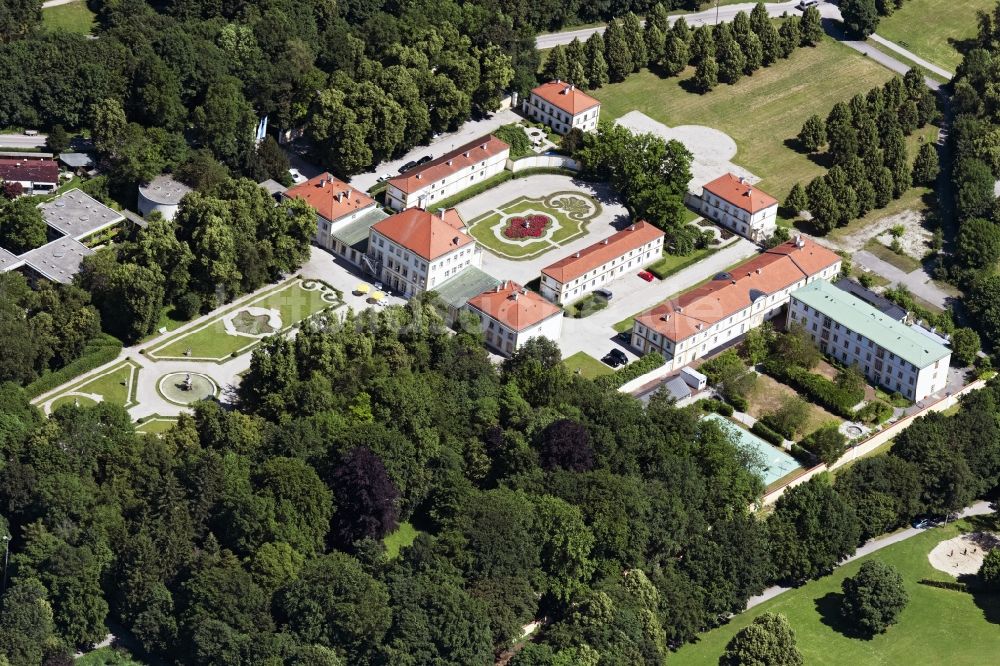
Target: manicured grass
[
  {"x": 903, "y": 262},
  {"x": 586, "y": 306},
  {"x": 72, "y": 17},
  {"x": 937, "y": 627},
  {"x": 156, "y": 425},
  {"x": 107, "y": 657},
  {"x": 769, "y": 394},
  {"x": 588, "y": 366},
  {"x": 671, "y": 263},
  {"x": 403, "y": 537},
  {"x": 79, "y": 400},
  {"x": 933, "y": 29},
  {"x": 760, "y": 112},
  {"x": 211, "y": 341},
  {"x": 909, "y": 62},
  {"x": 116, "y": 385}
]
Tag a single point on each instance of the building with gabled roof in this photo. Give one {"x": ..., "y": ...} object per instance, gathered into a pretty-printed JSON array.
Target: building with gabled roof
[
  {"x": 426, "y": 184},
  {"x": 563, "y": 107},
  {"x": 699, "y": 321},
  {"x": 588, "y": 269},
  {"x": 344, "y": 215},
  {"x": 35, "y": 175},
  {"x": 416, "y": 250},
  {"x": 736, "y": 204},
  {"x": 511, "y": 315},
  {"x": 887, "y": 351}
]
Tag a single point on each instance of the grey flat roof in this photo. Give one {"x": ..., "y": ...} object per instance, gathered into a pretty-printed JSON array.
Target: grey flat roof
[
  {"x": 76, "y": 160},
  {"x": 59, "y": 260},
  {"x": 164, "y": 190},
  {"x": 272, "y": 186},
  {"x": 77, "y": 215},
  {"x": 26, "y": 155},
  {"x": 459, "y": 289},
  {"x": 355, "y": 234},
  {"x": 8, "y": 260}
]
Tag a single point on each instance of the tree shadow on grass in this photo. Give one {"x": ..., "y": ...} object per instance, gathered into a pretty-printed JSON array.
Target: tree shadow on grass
[
  {"x": 828, "y": 607},
  {"x": 988, "y": 602}
]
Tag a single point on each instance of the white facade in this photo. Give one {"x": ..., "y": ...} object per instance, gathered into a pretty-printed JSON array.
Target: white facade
[
  {"x": 563, "y": 292},
  {"x": 758, "y": 226},
  {"x": 560, "y": 120},
  {"x": 506, "y": 339},
  {"x": 880, "y": 365},
  {"x": 406, "y": 272},
  {"x": 434, "y": 187}
]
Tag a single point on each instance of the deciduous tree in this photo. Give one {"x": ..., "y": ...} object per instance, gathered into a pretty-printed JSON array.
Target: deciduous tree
[
  {"x": 873, "y": 598},
  {"x": 768, "y": 641}
]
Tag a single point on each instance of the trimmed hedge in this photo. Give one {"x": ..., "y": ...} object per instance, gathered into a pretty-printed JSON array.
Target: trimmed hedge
[
  {"x": 100, "y": 350},
  {"x": 767, "y": 434},
  {"x": 817, "y": 388},
  {"x": 945, "y": 584},
  {"x": 717, "y": 406},
  {"x": 620, "y": 377},
  {"x": 738, "y": 401}
]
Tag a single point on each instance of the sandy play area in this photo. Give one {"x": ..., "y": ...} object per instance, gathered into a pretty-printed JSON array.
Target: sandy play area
[{"x": 964, "y": 554}]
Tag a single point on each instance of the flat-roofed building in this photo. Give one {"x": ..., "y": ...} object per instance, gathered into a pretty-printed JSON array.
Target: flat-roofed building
[
  {"x": 344, "y": 215},
  {"x": 434, "y": 181},
  {"x": 58, "y": 261},
  {"x": 78, "y": 215},
  {"x": 415, "y": 250},
  {"x": 584, "y": 271},
  {"x": 699, "y": 321},
  {"x": 511, "y": 315},
  {"x": 734, "y": 203},
  {"x": 162, "y": 194},
  {"x": 563, "y": 107},
  {"x": 888, "y": 352}
]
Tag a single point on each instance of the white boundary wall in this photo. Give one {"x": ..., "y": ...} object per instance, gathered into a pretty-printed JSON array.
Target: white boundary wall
[{"x": 543, "y": 162}]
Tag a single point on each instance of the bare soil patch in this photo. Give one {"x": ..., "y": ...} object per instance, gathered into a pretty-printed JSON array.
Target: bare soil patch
[{"x": 963, "y": 555}]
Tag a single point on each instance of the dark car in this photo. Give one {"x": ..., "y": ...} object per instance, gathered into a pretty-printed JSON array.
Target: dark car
[
  {"x": 604, "y": 293},
  {"x": 423, "y": 160},
  {"x": 406, "y": 167},
  {"x": 615, "y": 357}
]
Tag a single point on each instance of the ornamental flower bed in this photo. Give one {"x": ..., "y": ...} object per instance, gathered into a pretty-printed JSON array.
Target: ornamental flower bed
[{"x": 530, "y": 226}]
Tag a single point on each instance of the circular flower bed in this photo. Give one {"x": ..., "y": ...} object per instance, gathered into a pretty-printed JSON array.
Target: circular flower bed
[{"x": 529, "y": 226}]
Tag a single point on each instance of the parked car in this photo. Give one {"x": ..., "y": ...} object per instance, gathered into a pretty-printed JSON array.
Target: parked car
[
  {"x": 406, "y": 167},
  {"x": 924, "y": 523},
  {"x": 615, "y": 357},
  {"x": 424, "y": 160},
  {"x": 647, "y": 276},
  {"x": 606, "y": 294},
  {"x": 297, "y": 176},
  {"x": 384, "y": 177},
  {"x": 625, "y": 336},
  {"x": 805, "y": 4}
]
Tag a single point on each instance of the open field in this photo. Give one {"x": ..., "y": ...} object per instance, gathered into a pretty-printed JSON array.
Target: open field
[
  {"x": 588, "y": 366},
  {"x": 933, "y": 29},
  {"x": 769, "y": 394},
  {"x": 72, "y": 17},
  {"x": 211, "y": 341},
  {"x": 937, "y": 627},
  {"x": 760, "y": 112}
]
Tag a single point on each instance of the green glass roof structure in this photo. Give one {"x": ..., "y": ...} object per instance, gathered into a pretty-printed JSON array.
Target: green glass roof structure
[
  {"x": 893, "y": 336},
  {"x": 456, "y": 291}
]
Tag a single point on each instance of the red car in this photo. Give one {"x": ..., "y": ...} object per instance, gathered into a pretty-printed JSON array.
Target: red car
[{"x": 646, "y": 275}]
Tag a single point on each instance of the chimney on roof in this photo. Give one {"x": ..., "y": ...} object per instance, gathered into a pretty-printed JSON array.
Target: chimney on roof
[
  {"x": 441, "y": 213},
  {"x": 524, "y": 290},
  {"x": 665, "y": 317},
  {"x": 566, "y": 90},
  {"x": 340, "y": 197},
  {"x": 455, "y": 240},
  {"x": 449, "y": 162},
  {"x": 632, "y": 228},
  {"x": 758, "y": 271},
  {"x": 604, "y": 242},
  {"x": 679, "y": 309},
  {"x": 514, "y": 295},
  {"x": 577, "y": 255},
  {"x": 798, "y": 241},
  {"x": 483, "y": 146},
  {"x": 466, "y": 153}
]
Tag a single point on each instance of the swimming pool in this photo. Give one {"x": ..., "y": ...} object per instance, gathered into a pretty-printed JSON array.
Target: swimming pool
[{"x": 777, "y": 462}]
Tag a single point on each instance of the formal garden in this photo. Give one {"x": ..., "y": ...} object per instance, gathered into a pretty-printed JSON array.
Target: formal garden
[
  {"x": 117, "y": 384},
  {"x": 526, "y": 227},
  {"x": 239, "y": 329}
]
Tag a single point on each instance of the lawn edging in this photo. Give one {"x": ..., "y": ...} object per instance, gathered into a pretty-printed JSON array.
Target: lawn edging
[{"x": 102, "y": 349}]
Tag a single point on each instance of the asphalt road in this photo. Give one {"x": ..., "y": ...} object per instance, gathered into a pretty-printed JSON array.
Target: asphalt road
[
  {"x": 977, "y": 509},
  {"x": 22, "y": 141}
]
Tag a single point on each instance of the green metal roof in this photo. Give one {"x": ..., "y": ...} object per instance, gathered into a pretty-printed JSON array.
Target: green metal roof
[
  {"x": 459, "y": 289},
  {"x": 355, "y": 234},
  {"x": 862, "y": 318}
]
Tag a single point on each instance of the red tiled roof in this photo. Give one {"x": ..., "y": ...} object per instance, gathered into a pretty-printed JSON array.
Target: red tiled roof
[
  {"x": 426, "y": 234},
  {"x": 600, "y": 253},
  {"x": 471, "y": 153},
  {"x": 739, "y": 193},
  {"x": 566, "y": 97},
  {"x": 765, "y": 274},
  {"x": 331, "y": 198},
  {"x": 41, "y": 171},
  {"x": 514, "y": 306}
]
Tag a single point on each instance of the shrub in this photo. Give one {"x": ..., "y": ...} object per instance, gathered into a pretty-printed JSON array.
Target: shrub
[
  {"x": 767, "y": 434},
  {"x": 875, "y": 412},
  {"x": 805, "y": 458},
  {"x": 737, "y": 401},
  {"x": 514, "y": 135},
  {"x": 827, "y": 444},
  {"x": 717, "y": 406},
  {"x": 100, "y": 350},
  {"x": 622, "y": 376},
  {"x": 789, "y": 418},
  {"x": 817, "y": 388}
]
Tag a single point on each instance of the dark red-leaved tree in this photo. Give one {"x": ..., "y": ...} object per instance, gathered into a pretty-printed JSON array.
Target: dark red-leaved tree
[
  {"x": 566, "y": 444},
  {"x": 12, "y": 190},
  {"x": 366, "y": 498}
]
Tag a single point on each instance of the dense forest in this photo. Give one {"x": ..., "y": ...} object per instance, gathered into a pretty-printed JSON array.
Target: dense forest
[{"x": 254, "y": 535}]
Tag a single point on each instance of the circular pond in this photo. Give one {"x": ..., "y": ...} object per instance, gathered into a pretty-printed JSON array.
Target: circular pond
[{"x": 184, "y": 388}]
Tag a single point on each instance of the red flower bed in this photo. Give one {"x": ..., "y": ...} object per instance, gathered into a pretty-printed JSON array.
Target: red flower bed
[{"x": 531, "y": 226}]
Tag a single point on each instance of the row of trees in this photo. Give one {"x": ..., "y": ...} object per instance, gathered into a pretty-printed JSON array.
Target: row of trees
[
  {"x": 724, "y": 52},
  {"x": 228, "y": 241},
  {"x": 865, "y": 142}
]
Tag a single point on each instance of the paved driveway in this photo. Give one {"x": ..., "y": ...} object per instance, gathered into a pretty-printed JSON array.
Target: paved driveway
[
  {"x": 595, "y": 334},
  {"x": 23, "y": 140},
  {"x": 918, "y": 282}
]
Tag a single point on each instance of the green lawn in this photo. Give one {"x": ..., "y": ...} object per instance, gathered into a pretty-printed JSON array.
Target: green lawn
[
  {"x": 404, "y": 535},
  {"x": 156, "y": 425},
  {"x": 588, "y": 366},
  {"x": 72, "y": 17},
  {"x": 107, "y": 657},
  {"x": 760, "y": 112},
  {"x": 211, "y": 341},
  {"x": 671, "y": 263},
  {"x": 116, "y": 385},
  {"x": 903, "y": 262},
  {"x": 937, "y": 627},
  {"x": 571, "y": 218},
  {"x": 932, "y": 29}
]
